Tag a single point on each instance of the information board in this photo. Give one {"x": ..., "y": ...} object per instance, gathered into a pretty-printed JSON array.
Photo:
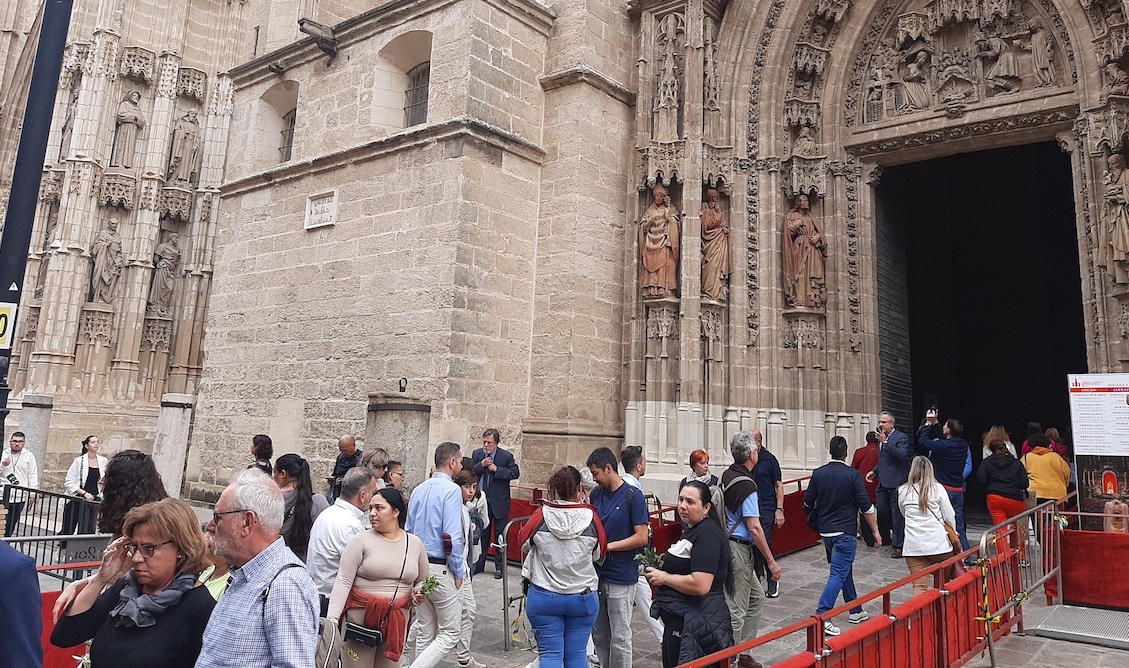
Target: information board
[{"x": 1099, "y": 415}]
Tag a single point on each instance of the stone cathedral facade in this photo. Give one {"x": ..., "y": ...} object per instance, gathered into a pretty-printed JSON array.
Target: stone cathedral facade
[{"x": 586, "y": 223}]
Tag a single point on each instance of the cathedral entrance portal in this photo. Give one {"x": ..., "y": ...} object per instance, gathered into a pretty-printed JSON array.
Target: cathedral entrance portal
[{"x": 980, "y": 295}]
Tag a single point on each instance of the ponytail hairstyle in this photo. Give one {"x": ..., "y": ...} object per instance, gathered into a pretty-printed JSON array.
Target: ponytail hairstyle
[{"x": 298, "y": 519}]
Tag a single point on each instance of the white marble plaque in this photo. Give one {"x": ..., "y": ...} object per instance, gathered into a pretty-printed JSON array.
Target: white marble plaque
[{"x": 321, "y": 210}]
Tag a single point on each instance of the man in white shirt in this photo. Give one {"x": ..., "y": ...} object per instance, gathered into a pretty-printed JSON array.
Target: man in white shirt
[
  {"x": 18, "y": 467},
  {"x": 335, "y": 527}
]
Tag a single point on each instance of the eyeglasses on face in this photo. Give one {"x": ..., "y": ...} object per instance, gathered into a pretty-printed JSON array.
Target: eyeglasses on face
[
  {"x": 400, "y": 473},
  {"x": 216, "y": 516},
  {"x": 146, "y": 551}
]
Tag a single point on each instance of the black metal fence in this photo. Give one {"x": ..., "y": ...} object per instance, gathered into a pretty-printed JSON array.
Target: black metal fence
[{"x": 53, "y": 528}]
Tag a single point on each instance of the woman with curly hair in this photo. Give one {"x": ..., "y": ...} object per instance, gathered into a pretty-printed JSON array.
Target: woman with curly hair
[
  {"x": 292, "y": 473},
  {"x": 131, "y": 481}
]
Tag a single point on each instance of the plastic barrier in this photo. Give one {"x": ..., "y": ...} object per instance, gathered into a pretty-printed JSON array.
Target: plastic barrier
[{"x": 795, "y": 535}]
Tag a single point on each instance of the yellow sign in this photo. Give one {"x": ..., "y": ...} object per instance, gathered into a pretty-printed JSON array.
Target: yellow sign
[{"x": 7, "y": 324}]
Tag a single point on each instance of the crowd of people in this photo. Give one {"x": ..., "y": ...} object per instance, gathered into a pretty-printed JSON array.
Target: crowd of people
[{"x": 278, "y": 563}]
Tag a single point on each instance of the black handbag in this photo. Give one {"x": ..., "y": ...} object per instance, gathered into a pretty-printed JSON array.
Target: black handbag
[{"x": 370, "y": 637}]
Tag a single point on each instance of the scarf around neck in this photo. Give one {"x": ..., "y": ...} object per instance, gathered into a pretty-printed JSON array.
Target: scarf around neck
[{"x": 141, "y": 610}]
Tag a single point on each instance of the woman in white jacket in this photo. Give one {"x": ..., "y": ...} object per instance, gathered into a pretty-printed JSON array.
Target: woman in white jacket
[
  {"x": 84, "y": 479},
  {"x": 927, "y": 510}
]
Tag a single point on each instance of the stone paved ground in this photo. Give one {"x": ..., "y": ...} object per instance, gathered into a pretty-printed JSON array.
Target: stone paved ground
[{"x": 804, "y": 575}]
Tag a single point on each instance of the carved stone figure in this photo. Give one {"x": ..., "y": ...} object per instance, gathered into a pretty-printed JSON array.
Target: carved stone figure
[
  {"x": 45, "y": 255},
  {"x": 130, "y": 124},
  {"x": 659, "y": 237},
  {"x": 1113, "y": 254},
  {"x": 1003, "y": 74},
  {"x": 916, "y": 84},
  {"x": 805, "y": 255},
  {"x": 108, "y": 263},
  {"x": 1042, "y": 54},
  {"x": 805, "y": 143},
  {"x": 715, "y": 248},
  {"x": 67, "y": 130},
  {"x": 185, "y": 148},
  {"x": 165, "y": 263},
  {"x": 1116, "y": 81}
]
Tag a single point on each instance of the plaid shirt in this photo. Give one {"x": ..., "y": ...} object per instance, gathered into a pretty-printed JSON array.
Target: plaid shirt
[{"x": 251, "y": 629}]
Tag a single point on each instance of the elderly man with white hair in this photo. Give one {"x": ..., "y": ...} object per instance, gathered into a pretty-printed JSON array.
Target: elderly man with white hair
[{"x": 269, "y": 615}]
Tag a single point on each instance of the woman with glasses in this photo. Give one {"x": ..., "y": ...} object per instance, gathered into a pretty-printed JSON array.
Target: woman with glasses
[{"x": 145, "y": 608}]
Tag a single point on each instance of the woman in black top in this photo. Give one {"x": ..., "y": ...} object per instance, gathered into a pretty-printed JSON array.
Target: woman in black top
[
  {"x": 690, "y": 599},
  {"x": 154, "y": 613},
  {"x": 1005, "y": 480}
]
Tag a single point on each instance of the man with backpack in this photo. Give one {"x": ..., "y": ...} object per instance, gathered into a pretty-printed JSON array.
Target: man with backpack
[{"x": 746, "y": 537}]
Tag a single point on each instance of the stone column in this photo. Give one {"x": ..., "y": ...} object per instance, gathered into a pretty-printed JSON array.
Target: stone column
[
  {"x": 35, "y": 423},
  {"x": 170, "y": 448},
  {"x": 402, "y": 426}
]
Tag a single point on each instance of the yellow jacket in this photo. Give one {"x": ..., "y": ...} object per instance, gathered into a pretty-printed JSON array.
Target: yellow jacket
[{"x": 1048, "y": 471}]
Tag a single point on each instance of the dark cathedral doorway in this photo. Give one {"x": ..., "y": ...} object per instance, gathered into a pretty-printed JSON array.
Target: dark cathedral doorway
[{"x": 979, "y": 291}]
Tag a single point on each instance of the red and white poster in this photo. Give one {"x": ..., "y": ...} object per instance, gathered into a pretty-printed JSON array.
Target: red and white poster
[{"x": 1099, "y": 415}]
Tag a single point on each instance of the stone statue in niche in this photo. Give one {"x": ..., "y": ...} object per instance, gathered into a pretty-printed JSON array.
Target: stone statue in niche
[
  {"x": 45, "y": 255},
  {"x": 818, "y": 33},
  {"x": 659, "y": 238},
  {"x": 185, "y": 148},
  {"x": 915, "y": 82},
  {"x": 1042, "y": 54},
  {"x": 715, "y": 248},
  {"x": 166, "y": 260},
  {"x": 1116, "y": 81},
  {"x": 108, "y": 263},
  {"x": 1002, "y": 75},
  {"x": 67, "y": 130},
  {"x": 805, "y": 144},
  {"x": 130, "y": 122},
  {"x": 1114, "y": 253},
  {"x": 805, "y": 256}
]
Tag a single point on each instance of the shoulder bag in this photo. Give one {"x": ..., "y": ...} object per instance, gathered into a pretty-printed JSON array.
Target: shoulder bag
[{"x": 372, "y": 637}]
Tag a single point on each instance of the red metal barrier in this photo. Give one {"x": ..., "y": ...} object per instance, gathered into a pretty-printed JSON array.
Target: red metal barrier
[
  {"x": 1087, "y": 557},
  {"x": 865, "y": 646},
  {"x": 795, "y": 535},
  {"x": 55, "y": 657}
]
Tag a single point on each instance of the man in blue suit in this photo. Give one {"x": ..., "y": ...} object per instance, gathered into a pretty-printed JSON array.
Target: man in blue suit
[
  {"x": 495, "y": 469},
  {"x": 20, "y": 644},
  {"x": 894, "y": 457}
]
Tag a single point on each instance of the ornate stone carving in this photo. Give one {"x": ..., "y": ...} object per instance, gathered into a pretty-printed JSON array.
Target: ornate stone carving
[
  {"x": 805, "y": 176},
  {"x": 913, "y": 27},
  {"x": 150, "y": 194},
  {"x": 97, "y": 327},
  {"x": 805, "y": 254},
  {"x": 1113, "y": 251},
  {"x": 978, "y": 129},
  {"x": 222, "y": 99},
  {"x": 711, "y": 85},
  {"x": 711, "y": 325},
  {"x": 801, "y": 112},
  {"x": 660, "y": 322},
  {"x": 1001, "y": 71},
  {"x": 805, "y": 144},
  {"x": 192, "y": 83},
  {"x": 659, "y": 247},
  {"x": 668, "y": 103},
  {"x": 184, "y": 157},
  {"x": 832, "y": 10},
  {"x": 51, "y": 186},
  {"x": 176, "y": 203},
  {"x": 942, "y": 12},
  {"x": 118, "y": 190},
  {"x": 1042, "y": 51},
  {"x": 1114, "y": 43},
  {"x": 717, "y": 166},
  {"x": 67, "y": 129},
  {"x": 138, "y": 64},
  {"x": 170, "y": 72},
  {"x": 31, "y": 323},
  {"x": 664, "y": 162},
  {"x": 915, "y": 82},
  {"x": 75, "y": 55},
  {"x": 103, "y": 60},
  {"x": 1116, "y": 81},
  {"x": 715, "y": 248},
  {"x": 130, "y": 122},
  {"x": 810, "y": 59},
  {"x": 108, "y": 263},
  {"x": 166, "y": 262},
  {"x": 804, "y": 333},
  {"x": 156, "y": 335},
  {"x": 955, "y": 86},
  {"x": 204, "y": 206}
]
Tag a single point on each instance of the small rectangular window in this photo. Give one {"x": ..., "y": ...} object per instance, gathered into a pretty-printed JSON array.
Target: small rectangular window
[
  {"x": 415, "y": 104},
  {"x": 287, "y": 135}
]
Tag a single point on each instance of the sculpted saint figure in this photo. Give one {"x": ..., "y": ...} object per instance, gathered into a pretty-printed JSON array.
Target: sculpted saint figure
[
  {"x": 108, "y": 263},
  {"x": 916, "y": 84},
  {"x": 659, "y": 246},
  {"x": 1003, "y": 74},
  {"x": 1042, "y": 54},
  {"x": 185, "y": 148},
  {"x": 1114, "y": 253},
  {"x": 805, "y": 143},
  {"x": 805, "y": 253},
  {"x": 130, "y": 123},
  {"x": 1116, "y": 81},
  {"x": 166, "y": 260},
  {"x": 715, "y": 248}
]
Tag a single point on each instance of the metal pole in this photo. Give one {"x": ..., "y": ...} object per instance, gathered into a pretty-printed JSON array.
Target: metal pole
[{"x": 26, "y": 176}]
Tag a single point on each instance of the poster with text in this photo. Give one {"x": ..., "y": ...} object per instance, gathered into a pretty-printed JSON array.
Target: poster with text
[{"x": 1099, "y": 415}]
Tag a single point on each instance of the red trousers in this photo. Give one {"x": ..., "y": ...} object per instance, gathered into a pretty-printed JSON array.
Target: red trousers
[{"x": 1002, "y": 509}]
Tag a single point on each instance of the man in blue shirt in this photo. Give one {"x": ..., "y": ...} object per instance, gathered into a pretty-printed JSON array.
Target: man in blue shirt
[
  {"x": 623, "y": 512},
  {"x": 435, "y": 516},
  {"x": 770, "y": 492},
  {"x": 836, "y": 495},
  {"x": 952, "y": 461},
  {"x": 746, "y": 537},
  {"x": 20, "y": 645}
]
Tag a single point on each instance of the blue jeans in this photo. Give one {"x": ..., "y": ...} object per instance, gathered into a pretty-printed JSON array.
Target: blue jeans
[
  {"x": 957, "y": 499},
  {"x": 561, "y": 623},
  {"x": 842, "y": 578}
]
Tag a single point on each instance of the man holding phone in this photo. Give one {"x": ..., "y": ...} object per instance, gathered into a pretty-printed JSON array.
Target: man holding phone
[{"x": 894, "y": 457}]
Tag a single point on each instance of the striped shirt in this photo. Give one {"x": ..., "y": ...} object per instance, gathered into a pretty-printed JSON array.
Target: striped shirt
[{"x": 268, "y": 618}]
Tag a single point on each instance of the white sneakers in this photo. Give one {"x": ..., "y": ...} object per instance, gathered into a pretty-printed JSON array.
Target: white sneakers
[
  {"x": 830, "y": 629},
  {"x": 858, "y": 617}
]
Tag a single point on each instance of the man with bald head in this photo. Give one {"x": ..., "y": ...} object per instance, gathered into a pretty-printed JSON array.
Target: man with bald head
[
  {"x": 350, "y": 456},
  {"x": 268, "y": 617},
  {"x": 770, "y": 495}
]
